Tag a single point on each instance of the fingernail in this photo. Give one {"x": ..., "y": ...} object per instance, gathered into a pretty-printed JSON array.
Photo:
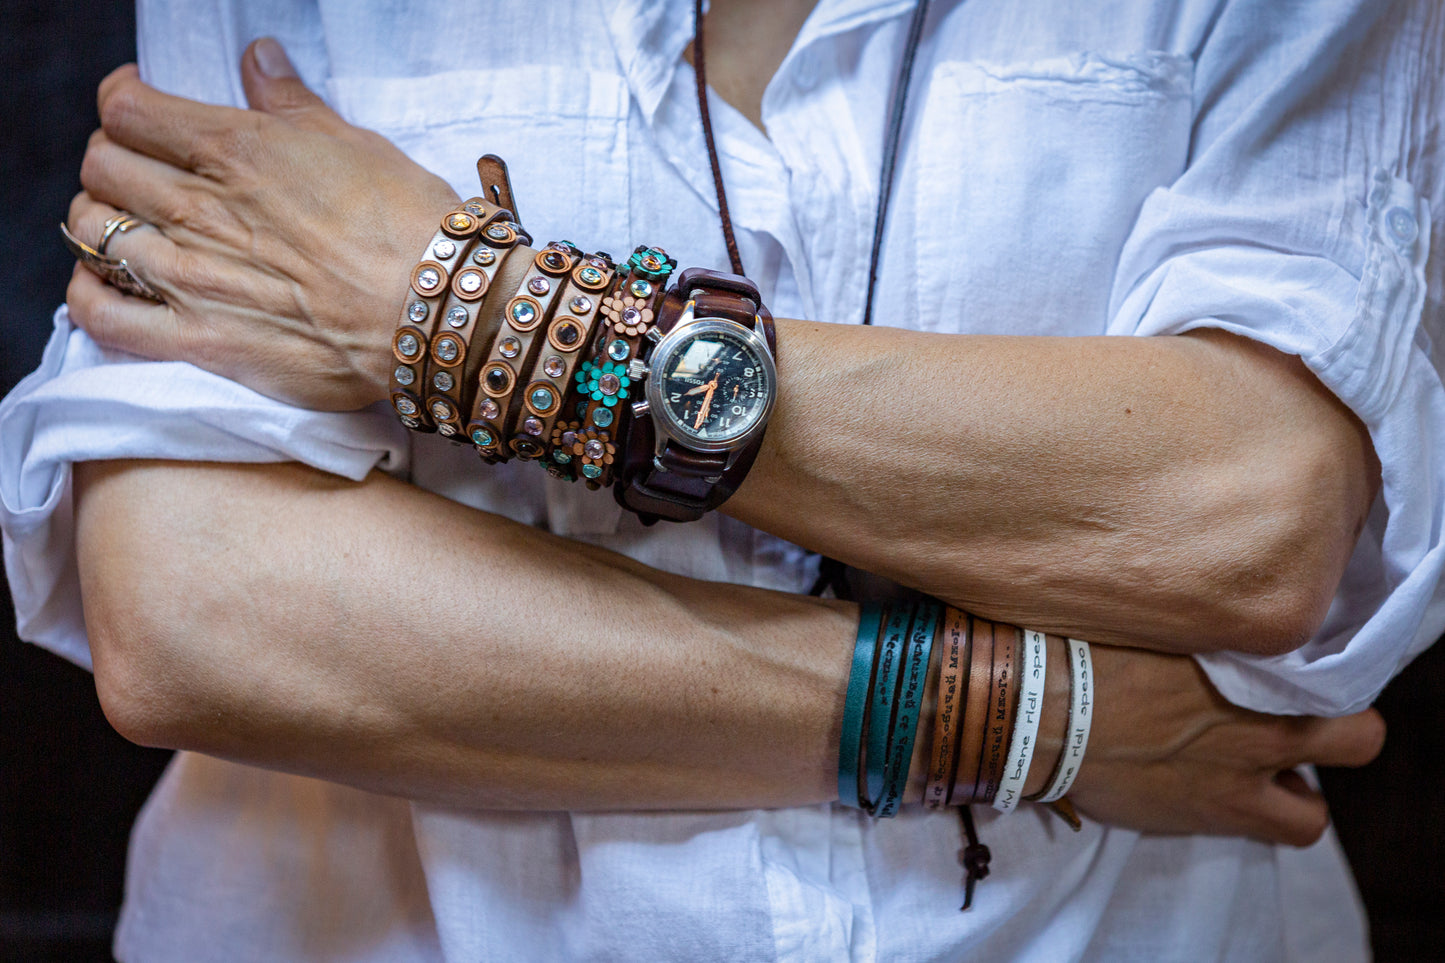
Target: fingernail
[{"x": 271, "y": 59}]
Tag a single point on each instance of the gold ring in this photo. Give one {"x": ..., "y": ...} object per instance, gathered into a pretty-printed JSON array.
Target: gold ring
[{"x": 112, "y": 270}]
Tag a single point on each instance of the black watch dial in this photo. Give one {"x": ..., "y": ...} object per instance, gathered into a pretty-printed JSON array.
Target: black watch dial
[{"x": 715, "y": 386}]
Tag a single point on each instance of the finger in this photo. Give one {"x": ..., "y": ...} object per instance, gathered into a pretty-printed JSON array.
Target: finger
[
  {"x": 141, "y": 245},
  {"x": 152, "y": 190},
  {"x": 1290, "y": 812},
  {"x": 273, "y": 86},
  {"x": 183, "y": 133},
  {"x": 1347, "y": 741},
  {"x": 117, "y": 320}
]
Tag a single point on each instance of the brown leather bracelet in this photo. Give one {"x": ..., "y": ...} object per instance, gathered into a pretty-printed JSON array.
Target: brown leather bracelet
[
  {"x": 453, "y": 358},
  {"x": 550, "y": 395},
  {"x": 430, "y": 281},
  {"x": 1007, "y": 646},
  {"x": 967, "y": 777},
  {"x": 498, "y": 406},
  {"x": 948, "y": 716}
]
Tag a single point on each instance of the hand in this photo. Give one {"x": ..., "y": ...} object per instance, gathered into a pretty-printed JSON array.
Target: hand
[
  {"x": 283, "y": 236},
  {"x": 711, "y": 387},
  {"x": 1168, "y": 754}
]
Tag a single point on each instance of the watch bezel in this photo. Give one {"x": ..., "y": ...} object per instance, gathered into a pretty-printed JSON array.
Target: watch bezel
[{"x": 666, "y": 348}]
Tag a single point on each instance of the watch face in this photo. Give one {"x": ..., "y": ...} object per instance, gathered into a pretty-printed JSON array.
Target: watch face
[{"x": 716, "y": 385}]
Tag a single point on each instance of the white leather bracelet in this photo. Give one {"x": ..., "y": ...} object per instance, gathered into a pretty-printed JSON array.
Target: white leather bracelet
[
  {"x": 1076, "y": 736},
  {"x": 1033, "y": 666}
]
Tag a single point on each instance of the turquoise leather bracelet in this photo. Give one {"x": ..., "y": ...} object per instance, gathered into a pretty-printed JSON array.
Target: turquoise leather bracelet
[
  {"x": 913, "y": 680},
  {"x": 883, "y": 700},
  {"x": 860, "y": 678}
]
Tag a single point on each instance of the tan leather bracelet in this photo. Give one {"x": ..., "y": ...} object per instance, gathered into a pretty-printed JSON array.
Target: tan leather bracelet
[
  {"x": 430, "y": 281},
  {"x": 1007, "y": 645},
  {"x": 948, "y": 717},
  {"x": 498, "y": 407},
  {"x": 975, "y": 711},
  {"x": 550, "y": 390},
  {"x": 454, "y": 360}
]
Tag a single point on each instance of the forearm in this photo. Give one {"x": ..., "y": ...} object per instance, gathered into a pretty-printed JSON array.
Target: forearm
[
  {"x": 378, "y": 635},
  {"x": 1185, "y": 494}
]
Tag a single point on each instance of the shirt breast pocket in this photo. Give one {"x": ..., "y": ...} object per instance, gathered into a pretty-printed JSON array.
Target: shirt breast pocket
[
  {"x": 563, "y": 134},
  {"x": 1029, "y": 177}
]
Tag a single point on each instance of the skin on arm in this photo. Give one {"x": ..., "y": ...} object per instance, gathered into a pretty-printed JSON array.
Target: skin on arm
[
  {"x": 492, "y": 665},
  {"x": 1187, "y": 493}
]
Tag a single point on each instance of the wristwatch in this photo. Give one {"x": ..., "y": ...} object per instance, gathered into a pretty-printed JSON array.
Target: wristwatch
[{"x": 710, "y": 385}]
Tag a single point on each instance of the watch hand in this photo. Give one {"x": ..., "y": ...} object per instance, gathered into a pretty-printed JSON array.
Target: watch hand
[{"x": 706, "y": 404}]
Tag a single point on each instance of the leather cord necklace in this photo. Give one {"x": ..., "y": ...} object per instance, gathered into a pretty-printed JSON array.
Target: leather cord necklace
[{"x": 831, "y": 572}]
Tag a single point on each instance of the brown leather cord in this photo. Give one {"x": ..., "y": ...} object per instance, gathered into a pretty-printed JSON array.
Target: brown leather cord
[
  {"x": 1007, "y": 649},
  {"x": 967, "y": 778},
  {"x": 699, "y": 70},
  {"x": 949, "y": 703}
]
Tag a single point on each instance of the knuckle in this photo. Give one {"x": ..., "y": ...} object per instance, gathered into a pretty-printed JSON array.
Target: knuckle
[{"x": 120, "y": 109}]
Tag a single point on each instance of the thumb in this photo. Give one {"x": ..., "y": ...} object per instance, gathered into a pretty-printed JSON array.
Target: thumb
[{"x": 273, "y": 86}]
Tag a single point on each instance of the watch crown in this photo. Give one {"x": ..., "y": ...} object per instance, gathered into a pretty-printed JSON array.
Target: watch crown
[
  {"x": 640, "y": 409},
  {"x": 636, "y": 369},
  {"x": 653, "y": 335}
]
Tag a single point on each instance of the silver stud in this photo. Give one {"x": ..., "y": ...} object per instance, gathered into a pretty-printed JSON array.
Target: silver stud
[
  {"x": 497, "y": 232},
  {"x": 470, "y": 282},
  {"x": 448, "y": 349},
  {"x": 417, "y": 311},
  {"x": 408, "y": 345},
  {"x": 428, "y": 279},
  {"x": 457, "y": 317},
  {"x": 484, "y": 256},
  {"x": 444, "y": 249}
]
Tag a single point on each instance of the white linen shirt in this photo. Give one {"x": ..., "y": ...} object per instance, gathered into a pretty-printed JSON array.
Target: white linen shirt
[{"x": 1129, "y": 167}]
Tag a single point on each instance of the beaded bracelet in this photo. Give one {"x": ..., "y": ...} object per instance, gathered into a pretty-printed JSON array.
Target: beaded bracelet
[
  {"x": 498, "y": 408},
  {"x": 430, "y": 281},
  {"x": 453, "y": 359}
]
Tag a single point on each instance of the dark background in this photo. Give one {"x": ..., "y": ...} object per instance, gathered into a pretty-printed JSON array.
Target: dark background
[{"x": 70, "y": 787}]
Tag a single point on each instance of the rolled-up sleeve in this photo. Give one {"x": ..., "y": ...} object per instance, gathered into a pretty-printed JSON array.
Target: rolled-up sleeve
[
  {"x": 87, "y": 404},
  {"x": 1303, "y": 220}
]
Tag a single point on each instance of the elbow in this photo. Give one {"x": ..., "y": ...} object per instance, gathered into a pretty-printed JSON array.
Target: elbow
[{"x": 135, "y": 681}]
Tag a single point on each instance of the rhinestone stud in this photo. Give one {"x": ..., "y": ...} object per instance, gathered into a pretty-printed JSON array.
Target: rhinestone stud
[
  {"x": 444, "y": 249},
  {"x": 594, "y": 449},
  {"x": 460, "y": 222},
  {"x": 590, "y": 275},
  {"x": 457, "y": 317},
  {"x": 403, "y": 375},
  {"x": 489, "y": 410},
  {"x": 443, "y": 381},
  {"x": 539, "y": 286},
  {"x": 543, "y": 399},
  {"x": 497, "y": 232},
  {"x": 417, "y": 311},
  {"x": 567, "y": 334},
  {"x": 485, "y": 256},
  {"x": 406, "y": 406},
  {"x": 553, "y": 367},
  {"x": 608, "y": 384},
  {"x": 509, "y": 347},
  {"x": 446, "y": 430},
  {"x": 532, "y": 426},
  {"x": 408, "y": 345},
  {"x": 483, "y": 437},
  {"x": 440, "y": 410},
  {"x": 523, "y": 313},
  {"x": 471, "y": 282},
  {"x": 561, "y": 457},
  {"x": 592, "y": 471},
  {"x": 618, "y": 350},
  {"x": 497, "y": 379},
  {"x": 641, "y": 288},
  {"x": 580, "y": 304},
  {"x": 427, "y": 279},
  {"x": 473, "y": 208},
  {"x": 602, "y": 417},
  {"x": 569, "y": 438},
  {"x": 448, "y": 349}
]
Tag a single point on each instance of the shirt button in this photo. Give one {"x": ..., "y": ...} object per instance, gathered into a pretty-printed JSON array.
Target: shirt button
[
  {"x": 1402, "y": 224},
  {"x": 805, "y": 70}
]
